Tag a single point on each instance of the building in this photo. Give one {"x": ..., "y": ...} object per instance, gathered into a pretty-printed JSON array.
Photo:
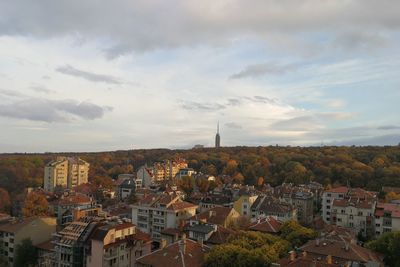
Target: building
[
  {"x": 146, "y": 175},
  {"x": 63, "y": 207},
  {"x": 303, "y": 260},
  {"x": 46, "y": 255},
  {"x": 269, "y": 225},
  {"x": 244, "y": 203},
  {"x": 156, "y": 212},
  {"x": 183, "y": 253},
  {"x": 350, "y": 207},
  {"x": 300, "y": 197},
  {"x": 387, "y": 218},
  {"x": 215, "y": 200},
  {"x": 269, "y": 206},
  {"x": 70, "y": 242},
  {"x": 222, "y": 216},
  {"x": 185, "y": 172},
  {"x": 65, "y": 172},
  {"x": 127, "y": 186},
  {"x": 217, "y": 138},
  {"x": 118, "y": 244},
  {"x": 38, "y": 229}
]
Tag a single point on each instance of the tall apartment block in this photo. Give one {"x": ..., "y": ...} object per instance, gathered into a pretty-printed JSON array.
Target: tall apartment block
[{"x": 66, "y": 172}]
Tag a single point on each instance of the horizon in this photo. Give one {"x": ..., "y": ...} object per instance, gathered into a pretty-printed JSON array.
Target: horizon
[{"x": 116, "y": 75}]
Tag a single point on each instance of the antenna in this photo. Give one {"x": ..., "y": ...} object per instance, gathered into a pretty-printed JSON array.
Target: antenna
[{"x": 218, "y": 127}]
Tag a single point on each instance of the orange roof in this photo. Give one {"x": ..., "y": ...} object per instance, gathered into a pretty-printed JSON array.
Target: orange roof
[
  {"x": 171, "y": 255},
  {"x": 181, "y": 206},
  {"x": 216, "y": 215},
  {"x": 267, "y": 225}
]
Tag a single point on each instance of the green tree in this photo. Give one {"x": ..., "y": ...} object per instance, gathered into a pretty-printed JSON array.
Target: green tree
[
  {"x": 25, "y": 254},
  {"x": 247, "y": 249},
  {"x": 389, "y": 245},
  {"x": 296, "y": 234}
]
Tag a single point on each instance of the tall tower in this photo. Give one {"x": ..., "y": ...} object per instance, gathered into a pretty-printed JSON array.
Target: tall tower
[{"x": 217, "y": 138}]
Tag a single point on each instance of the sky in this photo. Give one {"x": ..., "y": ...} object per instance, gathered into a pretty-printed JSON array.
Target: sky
[{"x": 105, "y": 75}]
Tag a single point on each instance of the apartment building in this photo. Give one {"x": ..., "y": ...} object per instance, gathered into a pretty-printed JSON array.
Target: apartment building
[
  {"x": 387, "y": 218},
  {"x": 156, "y": 212},
  {"x": 327, "y": 200},
  {"x": 66, "y": 172},
  {"x": 38, "y": 229},
  {"x": 117, "y": 245},
  {"x": 266, "y": 205}
]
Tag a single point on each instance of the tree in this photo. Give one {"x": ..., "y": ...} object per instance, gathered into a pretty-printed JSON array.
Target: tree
[
  {"x": 247, "y": 249},
  {"x": 5, "y": 202},
  {"x": 389, "y": 245},
  {"x": 35, "y": 205},
  {"x": 296, "y": 234},
  {"x": 25, "y": 254},
  {"x": 391, "y": 196},
  {"x": 186, "y": 183}
]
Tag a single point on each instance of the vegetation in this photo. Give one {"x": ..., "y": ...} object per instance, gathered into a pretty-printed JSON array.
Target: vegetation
[
  {"x": 389, "y": 245},
  {"x": 368, "y": 167},
  {"x": 5, "y": 202},
  {"x": 296, "y": 234},
  {"x": 35, "y": 205},
  {"x": 25, "y": 254},
  {"x": 247, "y": 249}
]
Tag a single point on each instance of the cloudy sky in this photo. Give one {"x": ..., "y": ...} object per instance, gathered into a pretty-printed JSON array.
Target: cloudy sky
[{"x": 104, "y": 75}]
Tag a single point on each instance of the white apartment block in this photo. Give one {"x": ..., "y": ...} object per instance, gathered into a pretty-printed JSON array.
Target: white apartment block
[
  {"x": 387, "y": 218},
  {"x": 327, "y": 200},
  {"x": 157, "y": 212}
]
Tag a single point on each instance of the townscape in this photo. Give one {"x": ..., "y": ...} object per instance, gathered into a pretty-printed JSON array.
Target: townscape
[{"x": 169, "y": 214}]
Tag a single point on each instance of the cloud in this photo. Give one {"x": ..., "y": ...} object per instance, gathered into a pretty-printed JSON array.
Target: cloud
[
  {"x": 41, "y": 89},
  {"x": 389, "y": 127},
  {"x": 10, "y": 93},
  {"x": 46, "y": 110},
  {"x": 233, "y": 125},
  {"x": 258, "y": 70},
  {"x": 360, "y": 40},
  {"x": 93, "y": 77},
  {"x": 336, "y": 103},
  {"x": 140, "y": 25},
  {"x": 192, "y": 105}
]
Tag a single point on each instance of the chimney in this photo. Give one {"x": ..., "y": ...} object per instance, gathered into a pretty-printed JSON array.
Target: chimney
[
  {"x": 329, "y": 259},
  {"x": 304, "y": 254},
  {"x": 317, "y": 242},
  {"x": 292, "y": 254},
  {"x": 163, "y": 243},
  {"x": 346, "y": 246}
]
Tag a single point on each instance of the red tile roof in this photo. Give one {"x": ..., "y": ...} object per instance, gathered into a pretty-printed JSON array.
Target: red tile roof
[
  {"x": 266, "y": 225},
  {"x": 216, "y": 215},
  {"x": 181, "y": 206},
  {"x": 171, "y": 255},
  {"x": 341, "y": 189}
]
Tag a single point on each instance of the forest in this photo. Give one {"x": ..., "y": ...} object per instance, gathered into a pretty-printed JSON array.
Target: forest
[{"x": 368, "y": 167}]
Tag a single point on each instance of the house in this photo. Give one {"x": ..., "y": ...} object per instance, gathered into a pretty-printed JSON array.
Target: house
[
  {"x": 303, "y": 260},
  {"x": 342, "y": 252},
  {"x": 46, "y": 255},
  {"x": 243, "y": 204},
  {"x": 185, "y": 172},
  {"x": 223, "y": 216},
  {"x": 269, "y": 225},
  {"x": 183, "y": 253},
  {"x": 214, "y": 200},
  {"x": 266, "y": 205},
  {"x": 146, "y": 175},
  {"x": 156, "y": 212},
  {"x": 116, "y": 244},
  {"x": 38, "y": 229},
  {"x": 201, "y": 231}
]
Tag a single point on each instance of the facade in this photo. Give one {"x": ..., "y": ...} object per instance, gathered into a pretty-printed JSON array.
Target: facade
[
  {"x": 185, "y": 172},
  {"x": 215, "y": 200},
  {"x": 269, "y": 206},
  {"x": 222, "y": 216},
  {"x": 327, "y": 199},
  {"x": 243, "y": 204},
  {"x": 66, "y": 172},
  {"x": 38, "y": 229},
  {"x": 117, "y": 245},
  {"x": 156, "y": 212},
  {"x": 387, "y": 218},
  {"x": 146, "y": 175}
]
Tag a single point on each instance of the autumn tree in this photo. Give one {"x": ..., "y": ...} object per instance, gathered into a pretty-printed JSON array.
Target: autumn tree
[
  {"x": 186, "y": 183},
  {"x": 5, "y": 202},
  {"x": 35, "y": 205},
  {"x": 390, "y": 196}
]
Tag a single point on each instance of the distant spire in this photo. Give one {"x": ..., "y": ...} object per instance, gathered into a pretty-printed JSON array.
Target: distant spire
[{"x": 217, "y": 137}]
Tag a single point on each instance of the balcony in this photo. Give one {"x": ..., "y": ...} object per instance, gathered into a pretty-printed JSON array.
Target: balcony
[{"x": 110, "y": 254}]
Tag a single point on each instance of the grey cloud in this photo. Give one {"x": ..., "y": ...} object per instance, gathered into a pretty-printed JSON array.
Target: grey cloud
[
  {"x": 93, "y": 77},
  {"x": 46, "y": 110},
  {"x": 258, "y": 70},
  {"x": 302, "y": 123},
  {"x": 233, "y": 125},
  {"x": 389, "y": 127},
  {"x": 140, "y": 25},
  {"x": 10, "y": 93},
  {"x": 358, "y": 39}
]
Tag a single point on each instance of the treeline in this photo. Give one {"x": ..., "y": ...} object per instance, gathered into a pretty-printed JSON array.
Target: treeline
[{"x": 368, "y": 167}]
